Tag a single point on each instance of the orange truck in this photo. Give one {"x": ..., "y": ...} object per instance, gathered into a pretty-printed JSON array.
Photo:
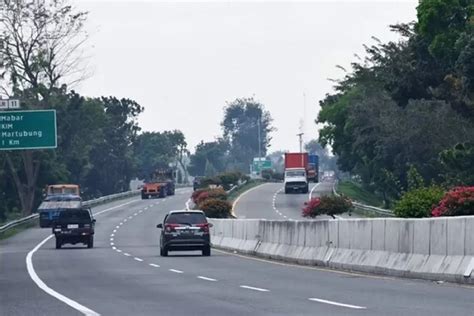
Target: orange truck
[{"x": 160, "y": 185}]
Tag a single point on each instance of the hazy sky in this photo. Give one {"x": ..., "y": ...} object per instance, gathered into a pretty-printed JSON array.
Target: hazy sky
[{"x": 183, "y": 61}]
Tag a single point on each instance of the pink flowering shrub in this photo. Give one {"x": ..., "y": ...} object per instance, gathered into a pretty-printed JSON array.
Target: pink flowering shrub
[
  {"x": 329, "y": 205},
  {"x": 457, "y": 202}
]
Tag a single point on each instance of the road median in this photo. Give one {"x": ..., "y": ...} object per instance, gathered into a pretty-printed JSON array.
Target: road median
[{"x": 432, "y": 249}]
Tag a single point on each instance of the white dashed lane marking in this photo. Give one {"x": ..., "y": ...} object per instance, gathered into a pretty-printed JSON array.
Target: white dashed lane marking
[
  {"x": 154, "y": 265},
  {"x": 336, "y": 303},
  {"x": 138, "y": 259},
  {"x": 206, "y": 278},
  {"x": 126, "y": 254},
  {"x": 254, "y": 288},
  {"x": 175, "y": 271}
]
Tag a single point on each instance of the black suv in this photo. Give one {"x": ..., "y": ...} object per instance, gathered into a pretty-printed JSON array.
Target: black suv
[
  {"x": 185, "y": 230},
  {"x": 74, "y": 226}
]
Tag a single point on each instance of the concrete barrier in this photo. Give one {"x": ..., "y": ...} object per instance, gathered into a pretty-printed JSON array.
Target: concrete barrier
[{"x": 434, "y": 248}]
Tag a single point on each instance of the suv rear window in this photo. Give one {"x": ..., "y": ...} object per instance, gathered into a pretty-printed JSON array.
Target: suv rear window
[
  {"x": 76, "y": 216},
  {"x": 186, "y": 218}
]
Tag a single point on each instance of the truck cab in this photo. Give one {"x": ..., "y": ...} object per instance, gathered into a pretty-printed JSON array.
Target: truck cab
[
  {"x": 160, "y": 185},
  {"x": 296, "y": 180}
]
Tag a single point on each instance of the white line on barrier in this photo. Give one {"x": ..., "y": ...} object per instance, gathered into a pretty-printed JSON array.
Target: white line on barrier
[
  {"x": 336, "y": 303},
  {"x": 469, "y": 269},
  {"x": 254, "y": 288},
  {"x": 31, "y": 271},
  {"x": 206, "y": 279}
]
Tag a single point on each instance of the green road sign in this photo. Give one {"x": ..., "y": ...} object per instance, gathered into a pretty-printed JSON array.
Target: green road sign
[
  {"x": 261, "y": 164},
  {"x": 28, "y": 129}
]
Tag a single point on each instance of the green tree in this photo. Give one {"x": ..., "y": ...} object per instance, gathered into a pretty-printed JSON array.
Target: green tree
[
  {"x": 156, "y": 150},
  {"x": 458, "y": 164},
  {"x": 41, "y": 50},
  {"x": 247, "y": 128},
  {"x": 214, "y": 153},
  {"x": 112, "y": 157}
]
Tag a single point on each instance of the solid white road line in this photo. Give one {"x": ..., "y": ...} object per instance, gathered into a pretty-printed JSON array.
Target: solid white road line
[
  {"x": 138, "y": 259},
  {"x": 336, "y": 303},
  {"x": 31, "y": 271},
  {"x": 154, "y": 265},
  {"x": 254, "y": 288},
  {"x": 188, "y": 202},
  {"x": 175, "y": 271},
  {"x": 206, "y": 279},
  {"x": 242, "y": 195},
  {"x": 312, "y": 190}
]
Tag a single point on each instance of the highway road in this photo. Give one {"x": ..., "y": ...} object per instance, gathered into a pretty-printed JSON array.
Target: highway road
[
  {"x": 268, "y": 201},
  {"x": 124, "y": 275}
]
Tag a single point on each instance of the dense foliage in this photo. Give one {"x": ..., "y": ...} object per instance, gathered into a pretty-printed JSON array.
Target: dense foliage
[
  {"x": 215, "y": 208},
  {"x": 246, "y": 129},
  {"x": 418, "y": 202},
  {"x": 456, "y": 202},
  {"x": 408, "y": 104}
]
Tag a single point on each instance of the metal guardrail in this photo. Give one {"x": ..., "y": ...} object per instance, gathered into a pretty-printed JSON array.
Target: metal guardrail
[
  {"x": 17, "y": 222},
  {"x": 89, "y": 203},
  {"x": 364, "y": 207}
]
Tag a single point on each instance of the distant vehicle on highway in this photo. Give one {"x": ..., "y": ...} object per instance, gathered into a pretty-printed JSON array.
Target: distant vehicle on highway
[
  {"x": 185, "y": 231},
  {"x": 160, "y": 185},
  {"x": 57, "y": 198},
  {"x": 197, "y": 183},
  {"x": 296, "y": 176},
  {"x": 73, "y": 227}
]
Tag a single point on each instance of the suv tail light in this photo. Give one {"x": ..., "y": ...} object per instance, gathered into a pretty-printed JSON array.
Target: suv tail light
[
  {"x": 204, "y": 227},
  {"x": 171, "y": 227}
]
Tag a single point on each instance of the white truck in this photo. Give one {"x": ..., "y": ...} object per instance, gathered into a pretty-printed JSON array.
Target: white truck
[{"x": 296, "y": 172}]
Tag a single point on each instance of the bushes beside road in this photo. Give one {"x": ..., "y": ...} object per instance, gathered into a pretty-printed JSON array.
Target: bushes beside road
[{"x": 213, "y": 202}]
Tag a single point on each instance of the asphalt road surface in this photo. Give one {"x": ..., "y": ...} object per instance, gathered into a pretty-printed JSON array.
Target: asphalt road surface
[
  {"x": 269, "y": 201},
  {"x": 124, "y": 275}
]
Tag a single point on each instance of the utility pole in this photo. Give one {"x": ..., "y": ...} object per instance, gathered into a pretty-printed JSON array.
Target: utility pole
[
  {"x": 259, "y": 138},
  {"x": 300, "y": 135}
]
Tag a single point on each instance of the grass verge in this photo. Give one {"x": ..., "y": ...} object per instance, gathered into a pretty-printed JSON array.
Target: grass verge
[
  {"x": 17, "y": 229},
  {"x": 357, "y": 193}
]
